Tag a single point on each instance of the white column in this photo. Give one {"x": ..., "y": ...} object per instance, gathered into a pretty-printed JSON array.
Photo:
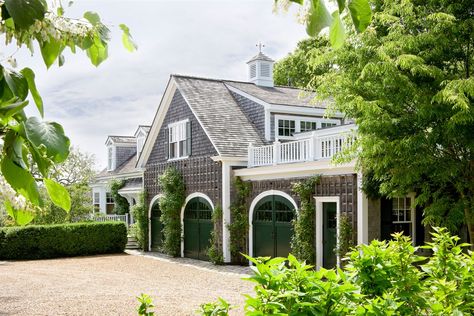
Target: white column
[
  {"x": 226, "y": 176},
  {"x": 103, "y": 202},
  {"x": 362, "y": 213}
]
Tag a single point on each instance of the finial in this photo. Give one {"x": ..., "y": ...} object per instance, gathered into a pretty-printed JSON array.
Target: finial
[{"x": 260, "y": 46}]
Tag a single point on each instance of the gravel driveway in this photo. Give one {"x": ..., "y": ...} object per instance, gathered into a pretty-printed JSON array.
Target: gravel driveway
[{"x": 108, "y": 285}]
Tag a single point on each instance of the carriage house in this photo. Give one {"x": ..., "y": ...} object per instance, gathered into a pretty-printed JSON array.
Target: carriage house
[{"x": 214, "y": 130}]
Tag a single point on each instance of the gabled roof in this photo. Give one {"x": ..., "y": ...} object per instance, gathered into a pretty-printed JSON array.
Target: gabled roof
[
  {"x": 121, "y": 139},
  {"x": 279, "y": 95},
  {"x": 220, "y": 116},
  {"x": 144, "y": 128},
  {"x": 127, "y": 166}
]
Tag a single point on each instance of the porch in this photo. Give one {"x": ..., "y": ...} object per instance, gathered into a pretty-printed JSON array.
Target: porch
[{"x": 315, "y": 145}]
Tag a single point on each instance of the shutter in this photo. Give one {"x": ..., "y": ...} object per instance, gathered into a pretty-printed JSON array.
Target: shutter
[
  {"x": 188, "y": 138},
  {"x": 167, "y": 143}
]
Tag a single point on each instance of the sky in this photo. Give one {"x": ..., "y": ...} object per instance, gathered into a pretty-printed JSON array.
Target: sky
[{"x": 212, "y": 38}]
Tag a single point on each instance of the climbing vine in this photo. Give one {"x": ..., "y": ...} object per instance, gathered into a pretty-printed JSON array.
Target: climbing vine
[
  {"x": 215, "y": 250},
  {"x": 345, "y": 241},
  {"x": 140, "y": 228},
  {"x": 121, "y": 205},
  {"x": 302, "y": 242},
  {"x": 239, "y": 226},
  {"x": 173, "y": 190}
]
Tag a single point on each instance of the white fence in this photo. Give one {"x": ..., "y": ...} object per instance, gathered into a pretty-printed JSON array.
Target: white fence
[
  {"x": 112, "y": 217},
  {"x": 309, "y": 146}
]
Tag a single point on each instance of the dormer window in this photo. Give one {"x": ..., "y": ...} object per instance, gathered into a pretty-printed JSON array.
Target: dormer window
[
  {"x": 140, "y": 143},
  {"x": 179, "y": 139},
  {"x": 110, "y": 158}
]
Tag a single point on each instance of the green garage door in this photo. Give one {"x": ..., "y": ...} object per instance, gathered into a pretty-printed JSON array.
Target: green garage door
[
  {"x": 272, "y": 228},
  {"x": 156, "y": 228},
  {"x": 197, "y": 228}
]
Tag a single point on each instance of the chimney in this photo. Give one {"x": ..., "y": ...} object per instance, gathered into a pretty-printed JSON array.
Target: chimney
[{"x": 261, "y": 69}]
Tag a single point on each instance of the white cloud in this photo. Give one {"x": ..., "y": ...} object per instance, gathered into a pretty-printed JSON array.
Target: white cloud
[{"x": 204, "y": 38}]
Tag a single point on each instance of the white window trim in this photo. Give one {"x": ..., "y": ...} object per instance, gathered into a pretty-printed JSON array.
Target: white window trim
[
  {"x": 113, "y": 163},
  {"x": 411, "y": 196},
  {"x": 319, "y": 200},
  {"x": 169, "y": 143},
  {"x": 298, "y": 120}
]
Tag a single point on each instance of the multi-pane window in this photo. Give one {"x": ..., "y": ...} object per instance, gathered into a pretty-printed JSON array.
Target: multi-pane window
[
  {"x": 96, "y": 201},
  {"x": 286, "y": 127},
  {"x": 306, "y": 126},
  {"x": 326, "y": 124},
  {"x": 109, "y": 200},
  {"x": 401, "y": 215},
  {"x": 109, "y": 158},
  {"x": 179, "y": 139}
]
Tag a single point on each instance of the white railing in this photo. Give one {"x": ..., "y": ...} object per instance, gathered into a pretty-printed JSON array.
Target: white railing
[
  {"x": 309, "y": 146},
  {"x": 111, "y": 217}
]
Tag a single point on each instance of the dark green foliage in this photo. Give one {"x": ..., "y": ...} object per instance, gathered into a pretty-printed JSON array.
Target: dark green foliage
[
  {"x": 140, "y": 215},
  {"x": 295, "y": 69},
  {"x": 215, "y": 251},
  {"x": 302, "y": 241},
  {"x": 63, "y": 240},
  {"x": 345, "y": 241},
  {"x": 382, "y": 278},
  {"x": 174, "y": 195},
  {"x": 121, "y": 205},
  {"x": 239, "y": 226}
]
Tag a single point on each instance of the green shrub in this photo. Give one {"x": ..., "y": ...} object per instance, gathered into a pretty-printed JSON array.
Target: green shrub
[
  {"x": 121, "y": 205},
  {"x": 62, "y": 240},
  {"x": 382, "y": 278}
]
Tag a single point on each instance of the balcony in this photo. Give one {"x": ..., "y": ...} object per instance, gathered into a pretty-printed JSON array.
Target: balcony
[{"x": 307, "y": 146}]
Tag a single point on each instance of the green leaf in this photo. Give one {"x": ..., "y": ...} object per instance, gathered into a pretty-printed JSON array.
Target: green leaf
[
  {"x": 58, "y": 194},
  {"x": 21, "y": 217},
  {"x": 92, "y": 17},
  {"x": 337, "y": 33},
  {"x": 98, "y": 51},
  {"x": 61, "y": 60},
  {"x": 127, "y": 40},
  {"x": 319, "y": 17},
  {"x": 17, "y": 83},
  {"x": 50, "y": 135},
  {"x": 341, "y": 4},
  {"x": 20, "y": 180},
  {"x": 50, "y": 51},
  {"x": 7, "y": 111},
  {"x": 30, "y": 78},
  {"x": 25, "y": 12},
  {"x": 361, "y": 14}
]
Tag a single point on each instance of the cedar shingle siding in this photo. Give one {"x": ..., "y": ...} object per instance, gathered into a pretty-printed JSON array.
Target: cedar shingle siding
[
  {"x": 178, "y": 111},
  {"x": 124, "y": 153},
  {"x": 254, "y": 112}
]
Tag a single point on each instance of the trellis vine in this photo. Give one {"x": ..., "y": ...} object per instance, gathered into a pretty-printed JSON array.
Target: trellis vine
[
  {"x": 121, "y": 205},
  {"x": 174, "y": 194},
  {"x": 215, "y": 253},
  {"x": 302, "y": 242},
  {"x": 239, "y": 226}
]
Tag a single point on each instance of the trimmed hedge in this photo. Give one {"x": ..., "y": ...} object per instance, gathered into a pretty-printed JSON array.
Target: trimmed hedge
[{"x": 63, "y": 240}]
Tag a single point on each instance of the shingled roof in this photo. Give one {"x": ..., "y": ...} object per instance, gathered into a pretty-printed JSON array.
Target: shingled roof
[
  {"x": 279, "y": 95},
  {"x": 127, "y": 166},
  {"x": 223, "y": 120}
]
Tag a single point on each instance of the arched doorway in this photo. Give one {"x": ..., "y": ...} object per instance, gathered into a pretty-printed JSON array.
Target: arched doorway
[
  {"x": 156, "y": 227},
  {"x": 198, "y": 226},
  {"x": 272, "y": 229}
]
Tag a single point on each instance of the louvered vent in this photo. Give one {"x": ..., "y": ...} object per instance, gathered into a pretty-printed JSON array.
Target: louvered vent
[
  {"x": 265, "y": 70},
  {"x": 253, "y": 71}
]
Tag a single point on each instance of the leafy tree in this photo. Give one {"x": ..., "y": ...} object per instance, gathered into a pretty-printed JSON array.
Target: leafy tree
[
  {"x": 407, "y": 81},
  {"x": 79, "y": 168},
  {"x": 297, "y": 70},
  {"x": 22, "y": 23},
  {"x": 316, "y": 16}
]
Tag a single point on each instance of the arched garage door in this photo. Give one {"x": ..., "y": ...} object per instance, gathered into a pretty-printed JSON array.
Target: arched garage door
[
  {"x": 272, "y": 229},
  {"x": 197, "y": 228}
]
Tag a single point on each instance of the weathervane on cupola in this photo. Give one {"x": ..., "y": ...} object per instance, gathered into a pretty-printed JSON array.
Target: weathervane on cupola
[{"x": 261, "y": 68}]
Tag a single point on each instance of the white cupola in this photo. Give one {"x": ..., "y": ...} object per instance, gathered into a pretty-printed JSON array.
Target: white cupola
[{"x": 261, "y": 69}]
